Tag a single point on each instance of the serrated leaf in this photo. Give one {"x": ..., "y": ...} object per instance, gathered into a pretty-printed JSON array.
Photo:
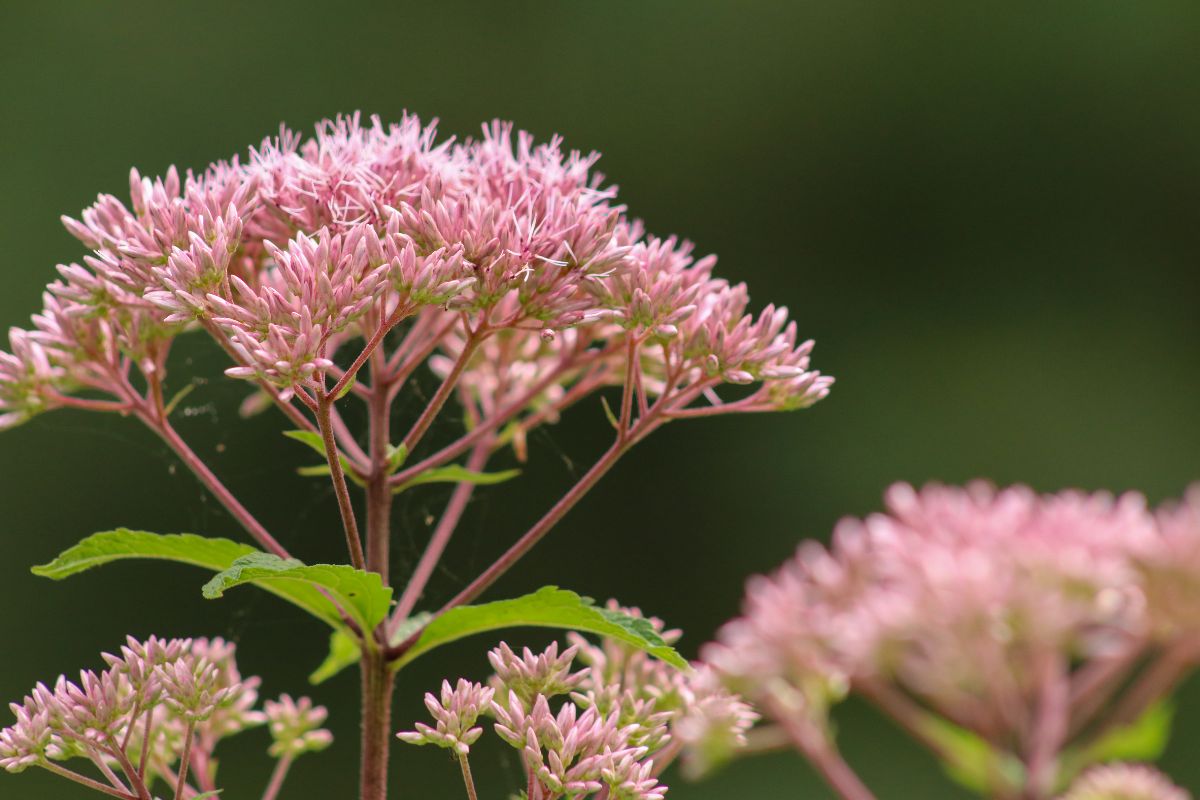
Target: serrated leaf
[
  {"x": 183, "y": 548},
  {"x": 361, "y": 594},
  {"x": 548, "y": 607},
  {"x": 456, "y": 473},
  {"x": 344, "y": 652}
]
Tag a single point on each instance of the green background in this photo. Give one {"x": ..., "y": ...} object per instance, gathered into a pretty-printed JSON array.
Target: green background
[{"x": 985, "y": 214}]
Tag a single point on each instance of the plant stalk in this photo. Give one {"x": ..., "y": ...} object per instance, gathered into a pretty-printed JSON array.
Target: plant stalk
[
  {"x": 345, "y": 505},
  {"x": 378, "y": 681},
  {"x": 379, "y": 494}
]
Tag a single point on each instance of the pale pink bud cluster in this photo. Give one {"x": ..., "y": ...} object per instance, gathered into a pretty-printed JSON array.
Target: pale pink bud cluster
[
  {"x": 577, "y": 753},
  {"x": 305, "y": 246},
  {"x": 624, "y": 719},
  {"x": 140, "y": 709},
  {"x": 1125, "y": 782},
  {"x": 694, "y": 709},
  {"x": 455, "y": 712},
  {"x": 295, "y": 726},
  {"x": 529, "y": 674}
]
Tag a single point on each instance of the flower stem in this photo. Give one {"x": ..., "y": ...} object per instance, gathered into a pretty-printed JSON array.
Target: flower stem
[
  {"x": 379, "y": 494},
  {"x": 85, "y": 781},
  {"x": 277, "y": 777},
  {"x": 185, "y": 760},
  {"x": 441, "y": 535},
  {"x": 824, "y": 756},
  {"x": 378, "y": 681},
  {"x": 541, "y": 528},
  {"x": 468, "y": 780},
  {"x": 443, "y": 392},
  {"x": 333, "y": 459},
  {"x": 213, "y": 483}
]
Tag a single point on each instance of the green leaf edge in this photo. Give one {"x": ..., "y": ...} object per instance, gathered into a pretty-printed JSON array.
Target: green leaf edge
[
  {"x": 456, "y": 473},
  {"x": 123, "y": 544},
  {"x": 265, "y": 569},
  {"x": 457, "y": 623}
]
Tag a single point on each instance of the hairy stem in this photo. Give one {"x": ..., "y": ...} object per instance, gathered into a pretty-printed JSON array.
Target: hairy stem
[
  {"x": 213, "y": 484},
  {"x": 345, "y": 505},
  {"x": 468, "y": 780},
  {"x": 379, "y": 494},
  {"x": 369, "y": 350},
  {"x": 378, "y": 681}
]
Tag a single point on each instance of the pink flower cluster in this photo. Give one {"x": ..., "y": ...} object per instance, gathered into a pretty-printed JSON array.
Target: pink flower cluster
[
  {"x": 289, "y": 254},
  {"x": 159, "y": 710},
  {"x": 1125, "y": 782},
  {"x": 625, "y": 717},
  {"x": 1022, "y": 618}
]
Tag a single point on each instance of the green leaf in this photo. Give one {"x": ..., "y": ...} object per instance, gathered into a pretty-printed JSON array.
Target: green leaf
[
  {"x": 344, "y": 649},
  {"x": 410, "y": 626},
  {"x": 971, "y": 761},
  {"x": 177, "y": 399},
  {"x": 608, "y": 412},
  {"x": 347, "y": 388},
  {"x": 456, "y": 473},
  {"x": 315, "y": 442},
  {"x": 206, "y": 795},
  {"x": 310, "y": 438},
  {"x": 397, "y": 454},
  {"x": 1144, "y": 739},
  {"x": 343, "y": 652},
  {"x": 183, "y": 548},
  {"x": 548, "y": 607},
  {"x": 361, "y": 594}
]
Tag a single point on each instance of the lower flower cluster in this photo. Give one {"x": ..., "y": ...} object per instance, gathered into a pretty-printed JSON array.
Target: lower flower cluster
[
  {"x": 157, "y": 713},
  {"x": 607, "y": 730}
]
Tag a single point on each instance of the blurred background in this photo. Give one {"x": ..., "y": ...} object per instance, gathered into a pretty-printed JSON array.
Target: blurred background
[{"x": 985, "y": 216}]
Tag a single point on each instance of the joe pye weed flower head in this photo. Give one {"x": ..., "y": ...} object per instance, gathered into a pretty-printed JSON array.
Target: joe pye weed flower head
[{"x": 347, "y": 268}]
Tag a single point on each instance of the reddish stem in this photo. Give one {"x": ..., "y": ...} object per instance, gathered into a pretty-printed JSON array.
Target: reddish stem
[
  {"x": 278, "y": 775},
  {"x": 379, "y": 494},
  {"x": 345, "y": 505},
  {"x": 823, "y": 756},
  {"x": 441, "y": 536},
  {"x": 193, "y": 462},
  {"x": 85, "y": 781},
  {"x": 443, "y": 392}
]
